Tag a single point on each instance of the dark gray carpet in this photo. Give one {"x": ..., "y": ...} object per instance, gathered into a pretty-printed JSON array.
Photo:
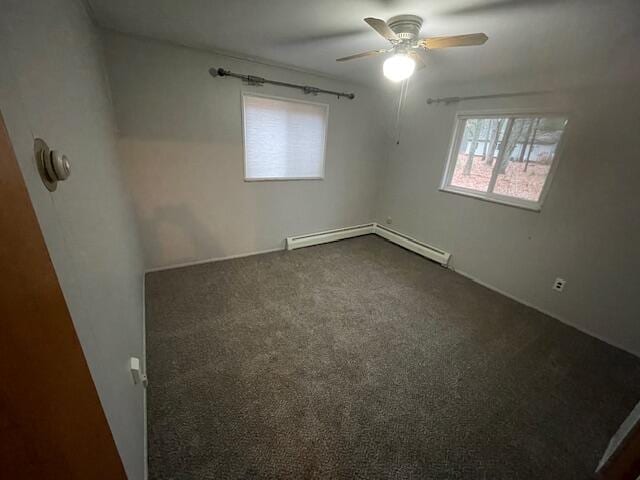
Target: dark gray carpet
[{"x": 358, "y": 359}]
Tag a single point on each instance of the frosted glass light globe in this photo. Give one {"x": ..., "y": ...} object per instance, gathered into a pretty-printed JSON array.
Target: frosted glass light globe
[{"x": 399, "y": 67}]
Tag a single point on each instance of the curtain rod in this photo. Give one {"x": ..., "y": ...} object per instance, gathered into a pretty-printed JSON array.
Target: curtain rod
[
  {"x": 449, "y": 100},
  {"x": 259, "y": 81}
]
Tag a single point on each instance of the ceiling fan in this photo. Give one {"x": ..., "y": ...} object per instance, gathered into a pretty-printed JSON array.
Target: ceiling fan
[{"x": 408, "y": 50}]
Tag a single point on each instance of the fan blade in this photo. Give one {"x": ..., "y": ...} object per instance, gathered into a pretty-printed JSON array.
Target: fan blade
[
  {"x": 418, "y": 58},
  {"x": 370, "y": 53},
  {"x": 382, "y": 28},
  {"x": 454, "y": 41},
  {"x": 498, "y": 6}
]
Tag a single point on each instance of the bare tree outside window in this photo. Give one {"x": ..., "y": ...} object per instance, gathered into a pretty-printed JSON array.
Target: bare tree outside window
[{"x": 505, "y": 158}]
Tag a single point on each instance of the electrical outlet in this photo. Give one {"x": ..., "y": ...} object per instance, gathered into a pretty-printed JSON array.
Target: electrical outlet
[
  {"x": 558, "y": 285},
  {"x": 389, "y": 221}
]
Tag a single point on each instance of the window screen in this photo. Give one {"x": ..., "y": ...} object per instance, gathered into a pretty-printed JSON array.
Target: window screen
[{"x": 283, "y": 139}]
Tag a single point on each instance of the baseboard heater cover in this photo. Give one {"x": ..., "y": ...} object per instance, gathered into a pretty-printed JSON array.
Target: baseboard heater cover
[
  {"x": 414, "y": 245},
  {"x": 328, "y": 236},
  {"x": 393, "y": 236}
]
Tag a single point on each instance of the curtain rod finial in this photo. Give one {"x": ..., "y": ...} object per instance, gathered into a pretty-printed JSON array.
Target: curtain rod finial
[{"x": 217, "y": 72}]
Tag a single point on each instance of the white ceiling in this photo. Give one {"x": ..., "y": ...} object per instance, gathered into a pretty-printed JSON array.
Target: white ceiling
[{"x": 525, "y": 36}]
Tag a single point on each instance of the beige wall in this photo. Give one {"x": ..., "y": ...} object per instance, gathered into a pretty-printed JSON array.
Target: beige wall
[
  {"x": 588, "y": 231},
  {"x": 53, "y": 85},
  {"x": 180, "y": 137}
]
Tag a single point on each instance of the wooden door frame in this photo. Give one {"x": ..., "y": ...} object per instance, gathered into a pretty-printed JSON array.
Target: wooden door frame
[{"x": 624, "y": 461}]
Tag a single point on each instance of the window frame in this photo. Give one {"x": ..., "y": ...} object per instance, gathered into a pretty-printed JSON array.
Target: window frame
[
  {"x": 458, "y": 131},
  {"x": 243, "y": 95}
]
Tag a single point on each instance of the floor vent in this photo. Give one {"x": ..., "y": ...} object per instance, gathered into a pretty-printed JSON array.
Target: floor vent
[{"x": 393, "y": 236}]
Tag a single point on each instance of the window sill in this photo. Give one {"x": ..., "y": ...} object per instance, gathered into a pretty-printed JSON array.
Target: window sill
[
  {"x": 281, "y": 179},
  {"x": 510, "y": 202}
]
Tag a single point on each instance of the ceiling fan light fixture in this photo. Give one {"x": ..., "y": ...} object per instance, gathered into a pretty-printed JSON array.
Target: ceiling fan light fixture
[{"x": 398, "y": 67}]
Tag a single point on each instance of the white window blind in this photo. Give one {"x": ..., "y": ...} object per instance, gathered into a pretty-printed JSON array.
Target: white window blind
[{"x": 283, "y": 139}]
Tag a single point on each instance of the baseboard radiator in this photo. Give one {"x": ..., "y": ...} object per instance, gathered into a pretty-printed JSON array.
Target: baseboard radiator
[
  {"x": 328, "y": 236},
  {"x": 393, "y": 236}
]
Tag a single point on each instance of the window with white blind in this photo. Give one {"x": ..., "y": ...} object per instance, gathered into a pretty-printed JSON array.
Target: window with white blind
[{"x": 283, "y": 139}]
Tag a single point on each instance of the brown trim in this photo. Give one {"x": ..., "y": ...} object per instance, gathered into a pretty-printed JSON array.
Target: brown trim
[{"x": 624, "y": 462}]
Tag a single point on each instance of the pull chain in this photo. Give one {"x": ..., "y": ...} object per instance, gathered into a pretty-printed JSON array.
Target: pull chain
[{"x": 403, "y": 96}]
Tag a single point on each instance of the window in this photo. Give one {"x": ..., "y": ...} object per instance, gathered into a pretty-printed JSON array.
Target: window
[
  {"x": 283, "y": 139},
  {"x": 506, "y": 158}
]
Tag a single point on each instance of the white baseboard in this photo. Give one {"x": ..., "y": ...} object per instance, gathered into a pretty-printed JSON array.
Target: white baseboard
[
  {"x": 327, "y": 236},
  {"x": 318, "y": 238},
  {"x": 211, "y": 260},
  {"x": 145, "y": 446},
  {"x": 547, "y": 313}
]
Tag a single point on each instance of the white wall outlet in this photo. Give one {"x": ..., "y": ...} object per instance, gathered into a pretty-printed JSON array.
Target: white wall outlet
[
  {"x": 389, "y": 221},
  {"x": 136, "y": 373},
  {"x": 558, "y": 284}
]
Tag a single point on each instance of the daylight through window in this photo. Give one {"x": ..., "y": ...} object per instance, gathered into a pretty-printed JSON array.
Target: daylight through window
[
  {"x": 283, "y": 139},
  {"x": 505, "y": 158}
]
